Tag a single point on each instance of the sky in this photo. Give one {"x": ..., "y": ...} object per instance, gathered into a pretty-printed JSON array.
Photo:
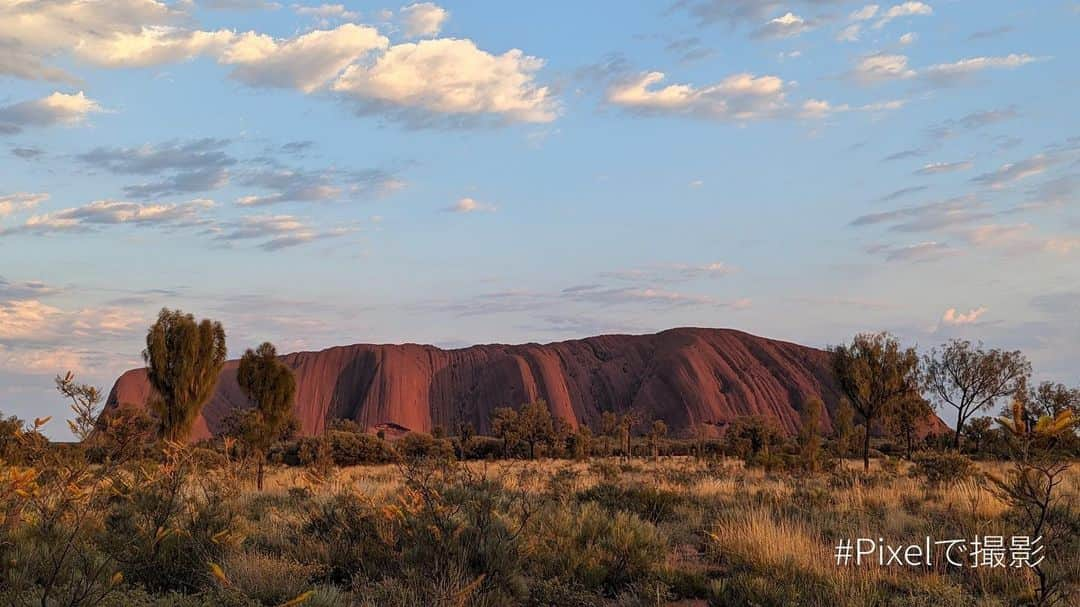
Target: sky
[{"x": 477, "y": 172}]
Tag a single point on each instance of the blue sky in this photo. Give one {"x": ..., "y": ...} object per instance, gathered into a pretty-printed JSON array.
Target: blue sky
[{"x": 457, "y": 173}]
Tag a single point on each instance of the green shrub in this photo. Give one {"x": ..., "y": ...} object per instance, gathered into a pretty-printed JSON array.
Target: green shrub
[
  {"x": 648, "y": 502},
  {"x": 943, "y": 468},
  {"x": 584, "y": 544}
]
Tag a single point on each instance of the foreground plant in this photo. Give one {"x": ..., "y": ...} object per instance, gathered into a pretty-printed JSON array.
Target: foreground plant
[{"x": 1033, "y": 487}]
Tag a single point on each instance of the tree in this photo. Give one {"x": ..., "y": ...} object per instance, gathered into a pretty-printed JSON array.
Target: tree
[
  {"x": 656, "y": 435},
  {"x": 843, "y": 427},
  {"x": 504, "y": 425},
  {"x": 904, "y": 418},
  {"x": 627, "y": 422},
  {"x": 84, "y": 404},
  {"x": 753, "y": 437},
  {"x": 809, "y": 438},
  {"x": 1051, "y": 399},
  {"x": 969, "y": 379},
  {"x": 270, "y": 386},
  {"x": 609, "y": 424},
  {"x": 183, "y": 359},
  {"x": 535, "y": 425},
  {"x": 977, "y": 431},
  {"x": 874, "y": 372}
]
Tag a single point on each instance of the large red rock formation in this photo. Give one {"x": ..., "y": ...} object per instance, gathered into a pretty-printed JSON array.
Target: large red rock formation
[{"x": 689, "y": 377}]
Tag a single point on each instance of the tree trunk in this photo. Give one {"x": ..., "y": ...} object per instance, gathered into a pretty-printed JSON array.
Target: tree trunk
[
  {"x": 259, "y": 475},
  {"x": 956, "y": 436},
  {"x": 907, "y": 435},
  {"x": 866, "y": 447}
]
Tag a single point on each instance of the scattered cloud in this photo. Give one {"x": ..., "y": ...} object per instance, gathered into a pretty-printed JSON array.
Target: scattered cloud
[
  {"x": 446, "y": 76},
  {"x": 55, "y": 109},
  {"x": 298, "y": 185},
  {"x": 787, "y": 25},
  {"x": 954, "y": 318},
  {"x": 908, "y": 39},
  {"x": 25, "y": 290},
  {"x": 1010, "y": 173},
  {"x": 423, "y": 19},
  {"x": 918, "y": 252},
  {"x": 27, "y": 153},
  {"x": 936, "y": 168},
  {"x": 20, "y": 201},
  {"x": 470, "y": 205},
  {"x": 325, "y": 13},
  {"x": 950, "y": 73},
  {"x": 672, "y": 273},
  {"x": 198, "y": 165},
  {"x": 973, "y": 121},
  {"x": 449, "y": 76},
  {"x": 25, "y": 319},
  {"x": 903, "y": 192},
  {"x": 113, "y": 212},
  {"x": 737, "y": 97},
  {"x": 882, "y": 67},
  {"x": 275, "y": 231},
  {"x": 927, "y": 217},
  {"x": 306, "y": 62},
  {"x": 906, "y": 9}
]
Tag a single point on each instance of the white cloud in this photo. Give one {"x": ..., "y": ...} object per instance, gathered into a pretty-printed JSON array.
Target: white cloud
[
  {"x": 865, "y": 13},
  {"x": 451, "y": 76},
  {"x": 114, "y": 212},
  {"x": 850, "y": 33},
  {"x": 26, "y": 319},
  {"x": 737, "y": 97},
  {"x": 276, "y": 231},
  {"x": 48, "y": 361},
  {"x": 880, "y": 68},
  {"x": 1010, "y": 173},
  {"x": 946, "y": 72},
  {"x": 20, "y": 201},
  {"x": 470, "y": 205},
  {"x": 423, "y": 19},
  {"x": 935, "y": 168},
  {"x": 883, "y": 67},
  {"x": 57, "y": 108},
  {"x": 326, "y": 12},
  {"x": 908, "y": 38},
  {"x": 954, "y": 318},
  {"x": 817, "y": 108},
  {"x": 907, "y": 9},
  {"x": 438, "y": 76},
  {"x": 785, "y": 26},
  {"x": 306, "y": 62}
]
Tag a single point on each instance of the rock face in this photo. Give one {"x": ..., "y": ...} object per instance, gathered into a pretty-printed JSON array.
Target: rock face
[{"x": 691, "y": 378}]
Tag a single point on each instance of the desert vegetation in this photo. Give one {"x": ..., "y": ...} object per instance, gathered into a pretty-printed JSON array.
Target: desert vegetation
[{"x": 541, "y": 512}]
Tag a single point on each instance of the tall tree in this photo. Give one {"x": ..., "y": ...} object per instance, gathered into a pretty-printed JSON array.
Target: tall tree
[
  {"x": 969, "y": 379},
  {"x": 809, "y": 437},
  {"x": 656, "y": 436},
  {"x": 270, "y": 386},
  {"x": 843, "y": 427},
  {"x": 1051, "y": 399},
  {"x": 874, "y": 372},
  {"x": 504, "y": 424},
  {"x": 535, "y": 425},
  {"x": 905, "y": 416},
  {"x": 627, "y": 423},
  {"x": 183, "y": 359},
  {"x": 609, "y": 424}
]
